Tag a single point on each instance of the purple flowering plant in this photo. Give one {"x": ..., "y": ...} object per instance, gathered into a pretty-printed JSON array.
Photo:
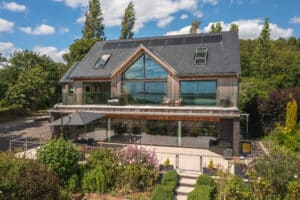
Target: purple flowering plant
[{"x": 137, "y": 155}]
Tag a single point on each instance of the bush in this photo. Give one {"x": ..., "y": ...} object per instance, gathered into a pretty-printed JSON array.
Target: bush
[
  {"x": 60, "y": 156},
  {"x": 73, "y": 183},
  {"x": 293, "y": 190},
  {"x": 205, "y": 180},
  {"x": 26, "y": 179},
  {"x": 137, "y": 177},
  {"x": 166, "y": 189},
  {"x": 201, "y": 192},
  {"x": 95, "y": 180}
]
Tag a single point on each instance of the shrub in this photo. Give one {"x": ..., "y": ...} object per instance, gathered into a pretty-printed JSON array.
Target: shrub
[
  {"x": 95, "y": 180},
  {"x": 201, "y": 192},
  {"x": 140, "y": 155},
  {"x": 26, "y": 179},
  {"x": 291, "y": 114},
  {"x": 166, "y": 189},
  {"x": 205, "y": 180},
  {"x": 137, "y": 177},
  {"x": 293, "y": 190},
  {"x": 164, "y": 192},
  {"x": 60, "y": 156},
  {"x": 73, "y": 183}
]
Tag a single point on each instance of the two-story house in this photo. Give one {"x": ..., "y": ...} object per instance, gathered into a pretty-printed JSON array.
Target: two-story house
[{"x": 171, "y": 90}]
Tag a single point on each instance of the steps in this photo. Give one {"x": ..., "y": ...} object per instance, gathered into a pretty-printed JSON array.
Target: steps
[{"x": 187, "y": 182}]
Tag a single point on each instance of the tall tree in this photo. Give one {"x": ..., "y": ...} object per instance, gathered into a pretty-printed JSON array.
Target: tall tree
[
  {"x": 234, "y": 27},
  {"x": 128, "y": 22},
  {"x": 262, "y": 53},
  {"x": 93, "y": 27},
  {"x": 195, "y": 26},
  {"x": 215, "y": 28}
]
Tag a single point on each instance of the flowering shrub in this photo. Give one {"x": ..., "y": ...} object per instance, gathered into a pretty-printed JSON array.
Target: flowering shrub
[{"x": 137, "y": 155}]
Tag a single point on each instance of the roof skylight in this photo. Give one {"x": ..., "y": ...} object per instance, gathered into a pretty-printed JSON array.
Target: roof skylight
[
  {"x": 200, "y": 57},
  {"x": 102, "y": 61}
]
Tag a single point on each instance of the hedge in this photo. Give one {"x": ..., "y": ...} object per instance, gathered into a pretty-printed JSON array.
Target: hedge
[
  {"x": 166, "y": 189},
  {"x": 204, "y": 189}
]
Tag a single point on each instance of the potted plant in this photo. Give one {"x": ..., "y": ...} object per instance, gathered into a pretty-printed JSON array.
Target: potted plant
[
  {"x": 166, "y": 166},
  {"x": 210, "y": 169}
]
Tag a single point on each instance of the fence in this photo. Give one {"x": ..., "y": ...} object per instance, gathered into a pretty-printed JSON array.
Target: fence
[{"x": 24, "y": 144}]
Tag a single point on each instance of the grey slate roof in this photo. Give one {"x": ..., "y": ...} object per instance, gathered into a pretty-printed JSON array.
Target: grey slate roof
[
  {"x": 66, "y": 77},
  {"x": 177, "y": 51}
]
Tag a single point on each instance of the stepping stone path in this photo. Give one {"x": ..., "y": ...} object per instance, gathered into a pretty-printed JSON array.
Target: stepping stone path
[{"x": 187, "y": 182}]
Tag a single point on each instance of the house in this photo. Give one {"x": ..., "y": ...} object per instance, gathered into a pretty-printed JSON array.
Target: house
[{"x": 171, "y": 90}]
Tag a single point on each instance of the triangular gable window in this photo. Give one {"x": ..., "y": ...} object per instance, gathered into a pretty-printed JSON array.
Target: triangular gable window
[{"x": 145, "y": 68}]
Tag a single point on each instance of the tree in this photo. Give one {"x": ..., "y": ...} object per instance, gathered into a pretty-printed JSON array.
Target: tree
[
  {"x": 234, "y": 27},
  {"x": 128, "y": 22},
  {"x": 59, "y": 156},
  {"x": 195, "y": 26},
  {"x": 78, "y": 50},
  {"x": 93, "y": 27},
  {"x": 215, "y": 28},
  {"x": 262, "y": 54},
  {"x": 291, "y": 114}
]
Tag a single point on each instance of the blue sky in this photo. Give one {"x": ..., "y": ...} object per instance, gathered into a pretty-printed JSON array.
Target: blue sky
[{"x": 50, "y": 26}]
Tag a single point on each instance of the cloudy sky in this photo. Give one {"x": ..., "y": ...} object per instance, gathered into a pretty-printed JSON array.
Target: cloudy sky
[{"x": 50, "y": 26}]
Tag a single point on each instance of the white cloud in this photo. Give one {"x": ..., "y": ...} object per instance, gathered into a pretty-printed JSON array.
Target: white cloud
[
  {"x": 6, "y": 48},
  {"x": 81, "y": 19},
  {"x": 212, "y": 2},
  {"x": 43, "y": 29},
  {"x": 184, "y": 16},
  {"x": 6, "y": 25},
  {"x": 248, "y": 29},
  {"x": 295, "y": 20},
  {"x": 184, "y": 30},
  {"x": 52, "y": 52},
  {"x": 13, "y": 6},
  {"x": 160, "y": 12}
]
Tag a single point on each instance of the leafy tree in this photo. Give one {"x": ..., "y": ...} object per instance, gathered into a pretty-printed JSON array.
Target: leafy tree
[
  {"x": 60, "y": 156},
  {"x": 128, "y": 22},
  {"x": 195, "y": 26},
  {"x": 215, "y": 28},
  {"x": 93, "y": 27},
  {"x": 78, "y": 50},
  {"x": 234, "y": 27}
]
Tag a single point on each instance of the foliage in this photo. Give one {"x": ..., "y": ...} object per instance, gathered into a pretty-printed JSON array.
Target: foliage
[
  {"x": 211, "y": 164},
  {"x": 234, "y": 27},
  {"x": 26, "y": 179},
  {"x": 78, "y": 50},
  {"x": 60, "y": 156},
  {"x": 291, "y": 114},
  {"x": 128, "y": 22},
  {"x": 73, "y": 183},
  {"x": 215, "y": 28},
  {"x": 272, "y": 109},
  {"x": 232, "y": 187},
  {"x": 93, "y": 26},
  {"x": 166, "y": 189},
  {"x": 140, "y": 155},
  {"x": 201, "y": 192},
  {"x": 195, "y": 26},
  {"x": 279, "y": 137},
  {"x": 204, "y": 189},
  {"x": 293, "y": 189},
  {"x": 95, "y": 180},
  {"x": 167, "y": 162},
  {"x": 162, "y": 192},
  {"x": 137, "y": 177},
  {"x": 30, "y": 82},
  {"x": 270, "y": 175}
]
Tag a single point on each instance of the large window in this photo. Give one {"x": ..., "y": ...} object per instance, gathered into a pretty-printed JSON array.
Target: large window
[
  {"x": 198, "y": 92},
  {"x": 145, "y": 82}
]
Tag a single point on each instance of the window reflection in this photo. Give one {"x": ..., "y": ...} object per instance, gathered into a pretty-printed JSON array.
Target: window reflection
[{"x": 198, "y": 92}]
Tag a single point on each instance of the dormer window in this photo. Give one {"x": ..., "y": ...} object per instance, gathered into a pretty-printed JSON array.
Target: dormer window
[
  {"x": 102, "y": 61},
  {"x": 200, "y": 56}
]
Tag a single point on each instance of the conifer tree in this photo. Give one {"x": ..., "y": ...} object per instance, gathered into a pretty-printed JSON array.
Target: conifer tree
[
  {"x": 195, "y": 26},
  {"x": 291, "y": 114},
  {"x": 93, "y": 27},
  {"x": 128, "y": 22}
]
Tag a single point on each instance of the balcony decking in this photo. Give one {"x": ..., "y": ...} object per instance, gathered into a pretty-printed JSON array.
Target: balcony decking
[{"x": 210, "y": 113}]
